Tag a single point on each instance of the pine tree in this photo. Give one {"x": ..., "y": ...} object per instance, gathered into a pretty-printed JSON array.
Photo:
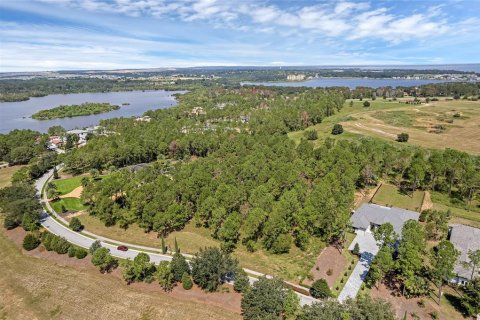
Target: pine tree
[
  {"x": 177, "y": 249},
  {"x": 164, "y": 248}
]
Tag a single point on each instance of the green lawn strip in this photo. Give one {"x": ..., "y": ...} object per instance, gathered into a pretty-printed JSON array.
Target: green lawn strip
[
  {"x": 389, "y": 195},
  {"x": 65, "y": 186},
  {"x": 70, "y": 204}
]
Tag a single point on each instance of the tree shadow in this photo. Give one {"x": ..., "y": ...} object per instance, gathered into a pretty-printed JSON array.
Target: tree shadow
[{"x": 456, "y": 302}]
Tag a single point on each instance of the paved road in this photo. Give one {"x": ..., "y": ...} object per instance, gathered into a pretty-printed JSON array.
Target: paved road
[
  {"x": 85, "y": 239},
  {"x": 368, "y": 250}
]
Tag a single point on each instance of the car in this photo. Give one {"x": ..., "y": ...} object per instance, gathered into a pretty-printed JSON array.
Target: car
[{"x": 122, "y": 248}]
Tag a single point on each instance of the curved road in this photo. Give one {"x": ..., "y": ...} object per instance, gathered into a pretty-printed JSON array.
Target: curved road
[{"x": 85, "y": 239}]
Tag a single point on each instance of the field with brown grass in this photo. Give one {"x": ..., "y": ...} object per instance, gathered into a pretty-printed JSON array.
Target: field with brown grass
[
  {"x": 35, "y": 287},
  {"x": 437, "y": 124}
]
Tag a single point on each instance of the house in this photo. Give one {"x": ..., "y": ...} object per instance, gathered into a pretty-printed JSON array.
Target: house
[
  {"x": 54, "y": 142},
  {"x": 369, "y": 216},
  {"x": 465, "y": 239},
  {"x": 82, "y": 135}
]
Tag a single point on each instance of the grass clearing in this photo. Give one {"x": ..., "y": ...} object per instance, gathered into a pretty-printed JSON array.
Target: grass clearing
[
  {"x": 388, "y": 195},
  {"x": 65, "y": 186},
  {"x": 70, "y": 204},
  {"x": 293, "y": 266},
  {"x": 6, "y": 175},
  {"x": 36, "y": 288},
  {"x": 438, "y": 124},
  {"x": 461, "y": 212}
]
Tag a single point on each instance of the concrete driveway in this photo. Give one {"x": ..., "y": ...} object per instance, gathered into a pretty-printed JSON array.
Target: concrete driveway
[{"x": 368, "y": 251}]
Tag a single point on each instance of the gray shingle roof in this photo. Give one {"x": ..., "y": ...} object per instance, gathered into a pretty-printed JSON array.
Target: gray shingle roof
[
  {"x": 373, "y": 213},
  {"x": 464, "y": 238}
]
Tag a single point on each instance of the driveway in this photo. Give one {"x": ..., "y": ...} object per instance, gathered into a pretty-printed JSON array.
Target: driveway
[{"x": 368, "y": 251}]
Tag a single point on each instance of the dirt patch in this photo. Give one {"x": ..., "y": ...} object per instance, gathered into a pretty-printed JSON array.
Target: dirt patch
[
  {"x": 329, "y": 261},
  {"x": 401, "y": 304},
  {"x": 227, "y": 300},
  {"x": 75, "y": 193},
  {"x": 365, "y": 195},
  {"x": 427, "y": 202}
]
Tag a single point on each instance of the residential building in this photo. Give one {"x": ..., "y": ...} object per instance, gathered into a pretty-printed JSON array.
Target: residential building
[{"x": 465, "y": 239}]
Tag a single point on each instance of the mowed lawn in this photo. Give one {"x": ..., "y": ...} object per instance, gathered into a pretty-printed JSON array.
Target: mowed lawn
[
  {"x": 292, "y": 266},
  {"x": 6, "y": 175},
  {"x": 70, "y": 204},
  {"x": 390, "y": 196},
  {"x": 36, "y": 288},
  {"x": 469, "y": 215},
  {"x": 65, "y": 186}
]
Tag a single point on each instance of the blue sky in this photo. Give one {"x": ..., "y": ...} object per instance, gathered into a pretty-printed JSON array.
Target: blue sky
[{"x": 119, "y": 34}]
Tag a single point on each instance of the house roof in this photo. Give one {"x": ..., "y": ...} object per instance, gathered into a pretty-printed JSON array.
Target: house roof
[
  {"x": 464, "y": 238},
  {"x": 372, "y": 213}
]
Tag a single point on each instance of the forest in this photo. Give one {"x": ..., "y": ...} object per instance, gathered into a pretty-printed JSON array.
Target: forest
[
  {"x": 247, "y": 182},
  {"x": 74, "y": 110}
]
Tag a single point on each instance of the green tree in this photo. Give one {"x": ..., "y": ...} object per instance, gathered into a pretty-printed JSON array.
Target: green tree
[
  {"x": 356, "y": 249},
  {"x": 410, "y": 258},
  {"x": 337, "y": 129},
  {"x": 103, "y": 259},
  {"x": 471, "y": 297},
  {"x": 291, "y": 305},
  {"x": 320, "y": 289},
  {"x": 95, "y": 245},
  {"x": 242, "y": 283},
  {"x": 140, "y": 269},
  {"x": 473, "y": 261},
  {"x": 366, "y": 104},
  {"x": 80, "y": 253},
  {"x": 211, "y": 267},
  {"x": 265, "y": 300},
  {"x": 381, "y": 265},
  {"x": 75, "y": 224},
  {"x": 186, "y": 281},
  {"x": 385, "y": 235},
  {"x": 443, "y": 258},
  {"x": 164, "y": 276},
  {"x": 30, "y": 242},
  {"x": 402, "y": 137},
  {"x": 179, "y": 266}
]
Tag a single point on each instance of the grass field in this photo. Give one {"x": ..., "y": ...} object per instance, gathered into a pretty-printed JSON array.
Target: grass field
[
  {"x": 65, "y": 186},
  {"x": 6, "y": 175},
  {"x": 71, "y": 204},
  {"x": 455, "y": 121},
  {"x": 292, "y": 266},
  {"x": 389, "y": 195},
  {"x": 35, "y": 288},
  {"x": 461, "y": 213}
]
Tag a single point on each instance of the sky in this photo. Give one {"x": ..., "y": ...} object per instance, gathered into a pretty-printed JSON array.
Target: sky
[{"x": 42, "y": 35}]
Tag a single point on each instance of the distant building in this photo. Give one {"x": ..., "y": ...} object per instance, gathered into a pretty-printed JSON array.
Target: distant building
[
  {"x": 54, "y": 142},
  {"x": 370, "y": 216},
  {"x": 82, "y": 135},
  {"x": 296, "y": 77},
  {"x": 143, "y": 119},
  {"x": 465, "y": 239}
]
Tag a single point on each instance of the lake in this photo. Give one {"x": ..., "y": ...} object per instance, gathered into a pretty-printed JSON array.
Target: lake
[
  {"x": 352, "y": 83},
  {"x": 16, "y": 115}
]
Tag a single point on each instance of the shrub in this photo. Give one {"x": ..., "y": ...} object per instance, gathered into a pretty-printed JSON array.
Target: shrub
[
  {"x": 282, "y": 244},
  {"x": 75, "y": 224},
  {"x": 30, "y": 242},
  {"x": 337, "y": 128},
  {"x": 320, "y": 289},
  {"x": 80, "y": 253},
  {"x": 345, "y": 273},
  {"x": 356, "y": 249},
  {"x": 179, "y": 266},
  {"x": 72, "y": 251},
  {"x": 402, "y": 137},
  {"x": 434, "y": 315},
  {"x": 95, "y": 245},
  {"x": 366, "y": 104},
  {"x": 186, "y": 281},
  {"x": 311, "y": 135},
  {"x": 329, "y": 272},
  {"x": 421, "y": 303},
  {"x": 241, "y": 284}
]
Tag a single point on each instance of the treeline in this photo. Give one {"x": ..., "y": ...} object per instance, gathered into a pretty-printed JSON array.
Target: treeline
[
  {"x": 20, "y": 146},
  {"x": 83, "y": 109}
]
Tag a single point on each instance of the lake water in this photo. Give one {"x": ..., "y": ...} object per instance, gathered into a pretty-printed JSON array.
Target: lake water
[
  {"x": 352, "y": 83},
  {"x": 15, "y": 115}
]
